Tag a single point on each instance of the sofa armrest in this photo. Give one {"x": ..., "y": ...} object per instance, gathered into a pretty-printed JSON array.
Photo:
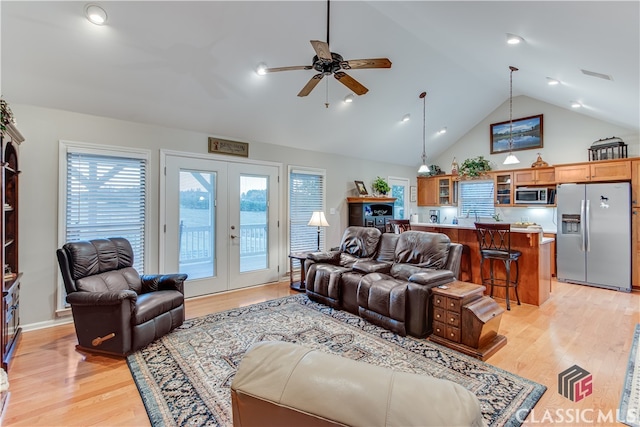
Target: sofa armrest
[
  {"x": 431, "y": 278},
  {"x": 371, "y": 266},
  {"x": 331, "y": 257},
  {"x": 454, "y": 259},
  {"x": 163, "y": 282},
  {"x": 90, "y": 299}
]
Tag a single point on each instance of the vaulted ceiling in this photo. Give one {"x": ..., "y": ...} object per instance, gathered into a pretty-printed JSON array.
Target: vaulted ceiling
[{"x": 191, "y": 65}]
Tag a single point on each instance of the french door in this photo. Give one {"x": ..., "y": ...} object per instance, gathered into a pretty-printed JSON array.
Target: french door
[{"x": 221, "y": 223}]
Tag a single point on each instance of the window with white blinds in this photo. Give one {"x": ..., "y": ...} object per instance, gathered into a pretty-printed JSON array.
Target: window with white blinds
[
  {"x": 105, "y": 196},
  {"x": 476, "y": 197},
  {"x": 306, "y": 195}
]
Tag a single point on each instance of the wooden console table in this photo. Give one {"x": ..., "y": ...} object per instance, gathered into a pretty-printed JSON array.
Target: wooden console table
[{"x": 465, "y": 320}]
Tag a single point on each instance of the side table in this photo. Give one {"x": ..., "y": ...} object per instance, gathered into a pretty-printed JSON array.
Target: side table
[
  {"x": 466, "y": 320},
  {"x": 300, "y": 256}
]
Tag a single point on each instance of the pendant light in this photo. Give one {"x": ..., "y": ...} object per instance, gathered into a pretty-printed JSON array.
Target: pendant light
[
  {"x": 511, "y": 158},
  {"x": 424, "y": 169}
]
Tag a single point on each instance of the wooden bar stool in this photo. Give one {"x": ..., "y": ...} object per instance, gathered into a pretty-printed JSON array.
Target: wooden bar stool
[
  {"x": 495, "y": 244},
  {"x": 397, "y": 225}
]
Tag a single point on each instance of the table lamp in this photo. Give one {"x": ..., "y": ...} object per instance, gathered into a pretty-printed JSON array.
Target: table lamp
[{"x": 318, "y": 220}]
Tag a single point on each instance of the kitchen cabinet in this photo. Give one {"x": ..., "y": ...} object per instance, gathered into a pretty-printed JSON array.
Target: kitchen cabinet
[
  {"x": 534, "y": 176},
  {"x": 427, "y": 191},
  {"x": 552, "y": 248},
  {"x": 447, "y": 190},
  {"x": 440, "y": 190},
  {"x": 594, "y": 171},
  {"x": 503, "y": 194}
]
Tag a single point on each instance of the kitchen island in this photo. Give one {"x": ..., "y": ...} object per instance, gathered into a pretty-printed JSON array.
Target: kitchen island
[{"x": 534, "y": 281}]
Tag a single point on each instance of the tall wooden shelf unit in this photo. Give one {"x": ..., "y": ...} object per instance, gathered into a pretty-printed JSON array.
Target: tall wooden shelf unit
[{"x": 10, "y": 139}]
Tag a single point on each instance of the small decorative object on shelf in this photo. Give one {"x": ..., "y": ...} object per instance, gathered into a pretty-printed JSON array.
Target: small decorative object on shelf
[
  {"x": 608, "y": 148},
  {"x": 454, "y": 167},
  {"x": 539, "y": 163},
  {"x": 380, "y": 185},
  {"x": 473, "y": 168}
]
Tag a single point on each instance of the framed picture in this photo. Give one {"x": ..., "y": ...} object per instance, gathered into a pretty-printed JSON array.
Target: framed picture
[
  {"x": 526, "y": 133},
  {"x": 413, "y": 193},
  {"x": 362, "y": 190}
]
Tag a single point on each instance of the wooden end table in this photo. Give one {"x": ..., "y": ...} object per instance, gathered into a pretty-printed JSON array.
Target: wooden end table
[
  {"x": 466, "y": 320},
  {"x": 299, "y": 284}
]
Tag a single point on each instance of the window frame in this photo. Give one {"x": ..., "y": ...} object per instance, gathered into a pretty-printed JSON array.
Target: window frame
[
  {"x": 309, "y": 171},
  {"x": 64, "y": 148}
]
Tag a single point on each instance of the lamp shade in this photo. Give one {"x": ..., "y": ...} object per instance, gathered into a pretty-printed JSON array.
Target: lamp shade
[{"x": 318, "y": 220}]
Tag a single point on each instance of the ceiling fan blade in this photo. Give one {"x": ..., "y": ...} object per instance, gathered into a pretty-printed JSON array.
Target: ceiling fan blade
[
  {"x": 295, "y": 67},
  {"x": 322, "y": 49},
  {"x": 351, "y": 83},
  {"x": 366, "y": 63},
  {"x": 306, "y": 90}
]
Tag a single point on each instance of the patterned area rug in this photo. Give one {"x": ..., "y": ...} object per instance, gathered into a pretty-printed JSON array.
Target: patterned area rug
[
  {"x": 185, "y": 377},
  {"x": 629, "y": 412}
]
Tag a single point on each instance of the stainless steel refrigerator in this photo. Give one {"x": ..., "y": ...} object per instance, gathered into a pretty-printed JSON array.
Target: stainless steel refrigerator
[{"x": 594, "y": 234}]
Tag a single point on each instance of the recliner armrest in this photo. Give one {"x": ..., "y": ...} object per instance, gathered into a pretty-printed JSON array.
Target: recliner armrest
[
  {"x": 371, "y": 266},
  {"x": 432, "y": 278},
  {"x": 331, "y": 257},
  {"x": 163, "y": 282},
  {"x": 90, "y": 299}
]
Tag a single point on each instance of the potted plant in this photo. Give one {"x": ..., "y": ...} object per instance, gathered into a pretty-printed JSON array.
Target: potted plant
[
  {"x": 380, "y": 185},
  {"x": 475, "y": 167}
]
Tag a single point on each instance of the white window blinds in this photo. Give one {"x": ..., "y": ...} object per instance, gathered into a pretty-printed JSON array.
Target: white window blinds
[
  {"x": 476, "y": 199},
  {"x": 306, "y": 195},
  {"x": 105, "y": 197}
]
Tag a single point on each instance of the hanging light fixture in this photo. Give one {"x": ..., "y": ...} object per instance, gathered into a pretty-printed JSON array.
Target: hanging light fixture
[
  {"x": 424, "y": 169},
  {"x": 511, "y": 158}
]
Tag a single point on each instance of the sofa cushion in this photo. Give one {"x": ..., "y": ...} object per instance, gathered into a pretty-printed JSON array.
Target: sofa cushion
[
  {"x": 423, "y": 249},
  {"x": 360, "y": 242}
]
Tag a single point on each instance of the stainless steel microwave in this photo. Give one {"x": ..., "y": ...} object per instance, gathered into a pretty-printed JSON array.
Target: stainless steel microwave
[{"x": 532, "y": 196}]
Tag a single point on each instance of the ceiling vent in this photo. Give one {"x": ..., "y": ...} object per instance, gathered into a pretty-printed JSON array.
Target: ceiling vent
[{"x": 598, "y": 75}]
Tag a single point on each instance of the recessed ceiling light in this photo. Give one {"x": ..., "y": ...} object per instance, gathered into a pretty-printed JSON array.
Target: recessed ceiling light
[
  {"x": 348, "y": 98},
  {"x": 552, "y": 81},
  {"x": 514, "y": 39},
  {"x": 95, "y": 14},
  {"x": 406, "y": 117},
  {"x": 261, "y": 69},
  {"x": 443, "y": 130},
  {"x": 575, "y": 104}
]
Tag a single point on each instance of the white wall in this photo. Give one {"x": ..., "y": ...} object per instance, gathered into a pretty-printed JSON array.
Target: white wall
[
  {"x": 567, "y": 136},
  {"x": 38, "y": 209}
]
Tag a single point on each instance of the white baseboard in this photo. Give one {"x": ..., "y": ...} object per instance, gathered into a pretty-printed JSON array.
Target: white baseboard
[{"x": 46, "y": 324}]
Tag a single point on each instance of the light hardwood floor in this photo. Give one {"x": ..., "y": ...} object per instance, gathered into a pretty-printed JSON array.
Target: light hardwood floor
[{"x": 53, "y": 384}]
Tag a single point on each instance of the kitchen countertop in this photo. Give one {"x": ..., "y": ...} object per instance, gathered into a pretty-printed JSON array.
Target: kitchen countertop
[{"x": 472, "y": 227}]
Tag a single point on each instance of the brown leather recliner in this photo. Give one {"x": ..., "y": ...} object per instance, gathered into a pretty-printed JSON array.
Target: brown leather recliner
[{"x": 115, "y": 310}]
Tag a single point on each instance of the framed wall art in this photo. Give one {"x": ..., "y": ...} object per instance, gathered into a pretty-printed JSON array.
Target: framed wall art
[
  {"x": 362, "y": 190},
  {"x": 526, "y": 133}
]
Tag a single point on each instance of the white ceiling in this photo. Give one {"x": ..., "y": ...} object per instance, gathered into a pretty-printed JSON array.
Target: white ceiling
[{"x": 190, "y": 65}]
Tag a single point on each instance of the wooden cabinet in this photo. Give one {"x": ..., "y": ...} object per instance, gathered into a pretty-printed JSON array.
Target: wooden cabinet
[
  {"x": 503, "y": 190},
  {"x": 10, "y": 140},
  {"x": 440, "y": 190},
  {"x": 594, "y": 171},
  {"x": 534, "y": 176},
  {"x": 635, "y": 224},
  {"x": 466, "y": 320},
  {"x": 427, "y": 191}
]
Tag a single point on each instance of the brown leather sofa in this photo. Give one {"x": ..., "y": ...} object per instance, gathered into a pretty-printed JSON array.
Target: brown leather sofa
[
  {"x": 284, "y": 384},
  {"x": 390, "y": 285},
  {"x": 115, "y": 310}
]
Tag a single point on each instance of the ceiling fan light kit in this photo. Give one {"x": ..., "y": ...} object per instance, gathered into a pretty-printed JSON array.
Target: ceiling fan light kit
[{"x": 328, "y": 63}]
